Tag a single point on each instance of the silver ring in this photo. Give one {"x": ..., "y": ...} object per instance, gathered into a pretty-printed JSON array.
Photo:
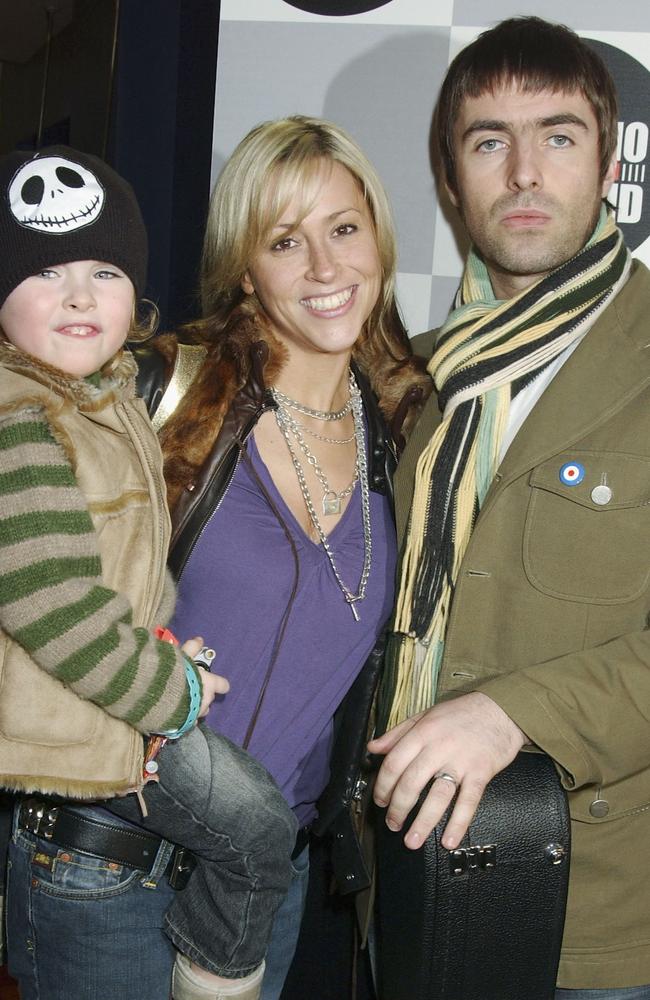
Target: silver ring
[{"x": 445, "y": 777}]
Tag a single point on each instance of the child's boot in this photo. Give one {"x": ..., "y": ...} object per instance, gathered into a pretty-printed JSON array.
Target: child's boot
[{"x": 191, "y": 984}]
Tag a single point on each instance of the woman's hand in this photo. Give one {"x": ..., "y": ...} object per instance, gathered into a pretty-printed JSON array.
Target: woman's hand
[{"x": 213, "y": 684}]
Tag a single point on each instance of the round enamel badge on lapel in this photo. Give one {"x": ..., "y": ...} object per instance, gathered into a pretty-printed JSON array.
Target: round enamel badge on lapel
[{"x": 572, "y": 473}]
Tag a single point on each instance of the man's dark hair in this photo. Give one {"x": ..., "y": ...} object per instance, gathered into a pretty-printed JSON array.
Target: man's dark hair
[{"x": 535, "y": 55}]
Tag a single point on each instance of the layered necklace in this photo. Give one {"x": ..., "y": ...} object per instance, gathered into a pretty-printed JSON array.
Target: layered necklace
[{"x": 293, "y": 431}]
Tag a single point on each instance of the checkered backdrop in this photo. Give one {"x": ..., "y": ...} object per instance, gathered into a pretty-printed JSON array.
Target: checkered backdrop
[{"x": 377, "y": 73}]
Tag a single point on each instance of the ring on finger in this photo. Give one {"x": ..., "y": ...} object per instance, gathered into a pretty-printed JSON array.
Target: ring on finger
[{"x": 445, "y": 776}]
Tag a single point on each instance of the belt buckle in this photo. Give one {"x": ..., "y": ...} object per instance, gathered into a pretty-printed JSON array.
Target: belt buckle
[
  {"x": 38, "y": 818},
  {"x": 182, "y": 865}
]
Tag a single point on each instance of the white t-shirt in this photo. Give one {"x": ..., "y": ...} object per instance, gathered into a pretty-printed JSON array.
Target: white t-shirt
[{"x": 525, "y": 400}]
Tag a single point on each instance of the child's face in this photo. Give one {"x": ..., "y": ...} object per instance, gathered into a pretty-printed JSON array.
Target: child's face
[{"x": 73, "y": 316}]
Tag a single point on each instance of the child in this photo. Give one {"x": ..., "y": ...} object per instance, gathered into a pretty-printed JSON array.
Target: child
[{"x": 83, "y": 542}]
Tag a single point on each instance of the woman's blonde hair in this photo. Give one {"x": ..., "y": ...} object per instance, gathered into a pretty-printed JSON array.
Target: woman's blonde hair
[{"x": 274, "y": 162}]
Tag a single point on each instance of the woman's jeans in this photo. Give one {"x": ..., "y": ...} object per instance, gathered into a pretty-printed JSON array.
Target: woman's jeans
[
  {"x": 67, "y": 909},
  {"x": 99, "y": 934},
  {"x": 286, "y": 928},
  {"x": 79, "y": 927}
]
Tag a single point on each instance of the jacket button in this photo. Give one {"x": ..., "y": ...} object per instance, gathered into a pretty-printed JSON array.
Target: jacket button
[{"x": 599, "y": 808}]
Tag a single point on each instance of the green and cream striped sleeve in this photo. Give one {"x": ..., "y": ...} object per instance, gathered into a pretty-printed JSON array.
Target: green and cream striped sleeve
[{"x": 53, "y": 600}]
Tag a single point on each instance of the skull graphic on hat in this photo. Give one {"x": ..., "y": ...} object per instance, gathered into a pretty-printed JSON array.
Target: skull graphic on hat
[{"x": 54, "y": 195}]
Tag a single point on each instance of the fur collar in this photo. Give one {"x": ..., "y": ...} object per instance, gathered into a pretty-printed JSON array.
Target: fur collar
[
  {"x": 188, "y": 436},
  {"x": 247, "y": 357},
  {"x": 116, "y": 382}
]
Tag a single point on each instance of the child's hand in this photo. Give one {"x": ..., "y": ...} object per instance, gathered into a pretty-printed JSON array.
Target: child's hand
[{"x": 213, "y": 684}]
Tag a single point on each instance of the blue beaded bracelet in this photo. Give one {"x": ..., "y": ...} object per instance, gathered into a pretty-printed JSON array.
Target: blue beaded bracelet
[{"x": 195, "y": 702}]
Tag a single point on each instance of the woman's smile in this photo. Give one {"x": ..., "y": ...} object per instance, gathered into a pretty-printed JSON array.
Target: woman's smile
[{"x": 330, "y": 305}]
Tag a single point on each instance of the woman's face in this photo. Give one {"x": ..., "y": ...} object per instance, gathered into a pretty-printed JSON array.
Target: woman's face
[{"x": 318, "y": 279}]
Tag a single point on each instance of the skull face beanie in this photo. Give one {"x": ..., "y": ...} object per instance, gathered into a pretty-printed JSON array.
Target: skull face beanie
[{"x": 59, "y": 205}]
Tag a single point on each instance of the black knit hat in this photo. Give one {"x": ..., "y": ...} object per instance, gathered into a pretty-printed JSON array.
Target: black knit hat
[{"x": 60, "y": 205}]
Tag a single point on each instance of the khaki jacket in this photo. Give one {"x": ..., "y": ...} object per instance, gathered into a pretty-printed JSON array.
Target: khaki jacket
[
  {"x": 550, "y": 619},
  {"x": 50, "y": 739}
]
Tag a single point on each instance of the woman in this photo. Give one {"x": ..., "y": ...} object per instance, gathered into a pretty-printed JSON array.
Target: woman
[
  {"x": 276, "y": 457},
  {"x": 280, "y": 439},
  {"x": 277, "y": 467}
]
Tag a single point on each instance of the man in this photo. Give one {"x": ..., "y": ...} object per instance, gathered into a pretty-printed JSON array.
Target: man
[{"x": 523, "y": 494}]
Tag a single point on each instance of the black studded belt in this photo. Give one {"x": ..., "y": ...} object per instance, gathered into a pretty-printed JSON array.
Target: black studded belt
[{"x": 122, "y": 845}]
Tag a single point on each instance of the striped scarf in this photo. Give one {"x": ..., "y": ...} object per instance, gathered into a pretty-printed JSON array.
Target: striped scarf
[{"x": 485, "y": 353}]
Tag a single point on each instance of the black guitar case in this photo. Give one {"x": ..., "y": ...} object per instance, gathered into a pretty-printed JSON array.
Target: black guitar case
[{"x": 483, "y": 922}]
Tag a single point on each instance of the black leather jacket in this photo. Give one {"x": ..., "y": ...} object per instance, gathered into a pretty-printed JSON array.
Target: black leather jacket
[{"x": 192, "y": 512}]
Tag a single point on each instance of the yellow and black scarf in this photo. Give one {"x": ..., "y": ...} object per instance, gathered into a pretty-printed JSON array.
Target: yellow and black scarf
[{"x": 486, "y": 352}]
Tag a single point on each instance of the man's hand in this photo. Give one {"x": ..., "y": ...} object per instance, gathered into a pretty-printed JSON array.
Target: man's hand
[
  {"x": 468, "y": 739},
  {"x": 213, "y": 684}
]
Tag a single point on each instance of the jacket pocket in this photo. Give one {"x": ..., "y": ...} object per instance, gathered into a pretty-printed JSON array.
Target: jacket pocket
[
  {"x": 37, "y": 709},
  {"x": 629, "y": 796},
  {"x": 587, "y": 527}
]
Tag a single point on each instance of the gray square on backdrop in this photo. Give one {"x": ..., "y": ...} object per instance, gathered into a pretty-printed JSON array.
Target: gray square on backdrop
[{"x": 378, "y": 81}]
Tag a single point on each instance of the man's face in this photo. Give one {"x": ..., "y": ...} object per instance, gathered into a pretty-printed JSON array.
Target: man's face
[{"x": 527, "y": 181}]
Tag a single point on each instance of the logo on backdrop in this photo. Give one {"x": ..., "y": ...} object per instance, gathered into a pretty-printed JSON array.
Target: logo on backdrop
[
  {"x": 630, "y": 192},
  {"x": 337, "y": 8}
]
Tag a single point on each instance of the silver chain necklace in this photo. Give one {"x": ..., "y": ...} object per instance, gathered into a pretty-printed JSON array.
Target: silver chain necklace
[
  {"x": 323, "y": 437},
  {"x": 331, "y": 499},
  {"x": 292, "y": 404},
  {"x": 361, "y": 474}
]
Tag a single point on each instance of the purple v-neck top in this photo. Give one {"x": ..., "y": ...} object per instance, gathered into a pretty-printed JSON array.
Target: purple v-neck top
[{"x": 234, "y": 591}]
